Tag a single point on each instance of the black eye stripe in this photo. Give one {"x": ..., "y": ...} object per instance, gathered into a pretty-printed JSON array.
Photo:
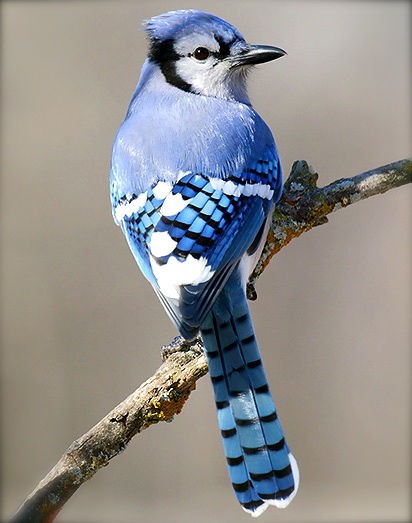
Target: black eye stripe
[{"x": 224, "y": 47}]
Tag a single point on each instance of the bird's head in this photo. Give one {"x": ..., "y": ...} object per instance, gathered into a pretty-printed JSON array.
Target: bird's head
[{"x": 202, "y": 54}]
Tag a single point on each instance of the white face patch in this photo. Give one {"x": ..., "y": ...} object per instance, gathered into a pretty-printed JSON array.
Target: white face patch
[
  {"x": 187, "y": 44},
  {"x": 197, "y": 73},
  {"x": 161, "y": 244},
  {"x": 175, "y": 273},
  {"x": 213, "y": 77}
]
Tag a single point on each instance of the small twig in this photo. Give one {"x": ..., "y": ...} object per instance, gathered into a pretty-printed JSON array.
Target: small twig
[{"x": 302, "y": 207}]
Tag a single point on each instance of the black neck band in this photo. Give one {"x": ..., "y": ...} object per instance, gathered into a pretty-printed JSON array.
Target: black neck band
[{"x": 163, "y": 54}]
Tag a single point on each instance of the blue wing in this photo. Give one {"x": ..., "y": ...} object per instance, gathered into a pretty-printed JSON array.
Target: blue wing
[{"x": 188, "y": 237}]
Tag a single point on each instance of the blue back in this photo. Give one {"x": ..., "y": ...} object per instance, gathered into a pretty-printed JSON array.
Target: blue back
[
  {"x": 206, "y": 138},
  {"x": 187, "y": 132}
]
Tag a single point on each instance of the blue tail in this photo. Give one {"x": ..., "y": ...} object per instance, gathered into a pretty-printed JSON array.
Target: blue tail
[{"x": 262, "y": 470}]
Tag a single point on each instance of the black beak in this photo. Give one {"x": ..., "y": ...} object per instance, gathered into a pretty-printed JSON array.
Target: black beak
[{"x": 257, "y": 54}]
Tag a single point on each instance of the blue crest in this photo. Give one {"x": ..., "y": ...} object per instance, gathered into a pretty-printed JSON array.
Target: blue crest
[{"x": 175, "y": 24}]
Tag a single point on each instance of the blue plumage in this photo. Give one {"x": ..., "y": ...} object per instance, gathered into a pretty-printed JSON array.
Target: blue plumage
[
  {"x": 195, "y": 174},
  {"x": 259, "y": 461}
]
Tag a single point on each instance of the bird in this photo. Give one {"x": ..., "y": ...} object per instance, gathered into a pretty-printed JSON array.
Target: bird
[{"x": 194, "y": 177}]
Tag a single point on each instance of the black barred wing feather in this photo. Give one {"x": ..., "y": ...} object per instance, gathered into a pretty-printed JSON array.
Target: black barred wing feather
[{"x": 187, "y": 237}]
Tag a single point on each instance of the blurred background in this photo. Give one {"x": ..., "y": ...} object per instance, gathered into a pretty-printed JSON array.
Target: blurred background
[{"x": 81, "y": 328}]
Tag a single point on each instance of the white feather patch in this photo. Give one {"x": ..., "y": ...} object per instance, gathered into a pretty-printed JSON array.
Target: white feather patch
[
  {"x": 161, "y": 190},
  {"x": 258, "y": 511},
  {"x": 248, "y": 189},
  {"x": 283, "y": 503},
  {"x": 161, "y": 244},
  {"x": 173, "y": 204},
  {"x": 182, "y": 174},
  {"x": 130, "y": 208},
  {"x": 175, "y": 273},
  {"x": 231, "y": 188},
  {"x": 217, "y": 183},
  {"x": 265, "y": 191}
]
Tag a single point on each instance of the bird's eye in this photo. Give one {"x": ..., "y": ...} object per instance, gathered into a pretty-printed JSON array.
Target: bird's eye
[{"x": 201, "y": 53}]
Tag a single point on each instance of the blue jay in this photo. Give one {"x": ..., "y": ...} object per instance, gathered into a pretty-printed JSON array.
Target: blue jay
[{"x": 195, "y": 174}]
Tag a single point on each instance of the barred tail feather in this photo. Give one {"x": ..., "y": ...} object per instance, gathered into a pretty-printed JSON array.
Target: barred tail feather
[{"x": 262, "y": 469}]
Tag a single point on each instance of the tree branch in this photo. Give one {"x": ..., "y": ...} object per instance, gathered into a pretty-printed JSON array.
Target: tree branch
[
  {"x": 303, "y": 206},
  {"x": 158, "y": 399}
]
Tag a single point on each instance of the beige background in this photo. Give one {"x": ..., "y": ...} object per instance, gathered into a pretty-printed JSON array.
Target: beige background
[{"x": 82, "y": 329}]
